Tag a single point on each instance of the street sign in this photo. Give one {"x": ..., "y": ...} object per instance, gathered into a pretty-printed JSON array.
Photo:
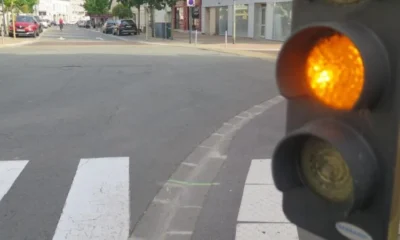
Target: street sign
[
  {"x": 190, "y": 3},
  {"x": 196, "y": 12}
]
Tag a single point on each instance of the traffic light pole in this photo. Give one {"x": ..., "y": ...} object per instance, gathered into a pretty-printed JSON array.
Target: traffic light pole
[
  {"x": 234, "y": 23},
  {"x": 190, "y": 24}
]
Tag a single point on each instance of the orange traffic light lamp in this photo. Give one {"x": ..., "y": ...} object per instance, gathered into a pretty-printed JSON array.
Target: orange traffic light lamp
[{"x": 342, "y": 66}]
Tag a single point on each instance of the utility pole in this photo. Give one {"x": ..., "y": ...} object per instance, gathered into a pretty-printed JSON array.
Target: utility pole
[{"x": 234, "y": 23}]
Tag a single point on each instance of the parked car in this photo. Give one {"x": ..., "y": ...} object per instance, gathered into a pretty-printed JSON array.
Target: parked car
[
  {"x": 44, "y": 23},
  {"x": 81, "y": 23},
  {"x": 125, "y": 26},
  {"x": 38, "y": 20},
  {"x": 25, "y": 26},
  {"x": 108, "y": 26}
]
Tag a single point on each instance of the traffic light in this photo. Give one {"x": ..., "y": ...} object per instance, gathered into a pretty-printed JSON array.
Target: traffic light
[{"x": 338, "y": 166}]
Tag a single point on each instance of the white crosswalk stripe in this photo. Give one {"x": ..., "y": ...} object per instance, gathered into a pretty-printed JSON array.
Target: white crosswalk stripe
[
  {"x": 260, "y": 214},
  {"x": 98, "y": 202},
  {"x": 9, "y": 172}
]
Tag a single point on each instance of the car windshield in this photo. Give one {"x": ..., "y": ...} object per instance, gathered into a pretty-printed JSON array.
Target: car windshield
[
  {"x": 24, "y": 19},
  {"x": 128, "y": 22}
]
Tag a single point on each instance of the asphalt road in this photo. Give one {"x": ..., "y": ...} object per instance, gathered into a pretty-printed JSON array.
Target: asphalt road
[
  {"x": 89, "y": 134},
  {"x": 72, "y": 33}
]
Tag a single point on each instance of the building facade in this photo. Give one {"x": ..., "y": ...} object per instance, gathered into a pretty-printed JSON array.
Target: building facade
[
  {"x": 180, "y": 16},
  {"x": 76, "y": 11},
  {"x": 268, "y": 19},
  {"x": 54, "y": 9}
]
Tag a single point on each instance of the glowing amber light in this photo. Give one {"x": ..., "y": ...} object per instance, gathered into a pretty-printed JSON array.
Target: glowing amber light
[{"x": 335, "y": 72}]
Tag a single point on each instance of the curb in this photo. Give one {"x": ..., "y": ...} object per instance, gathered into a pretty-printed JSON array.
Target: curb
[
  {"x": 244, "y": 53},
  {"x": 174, "y": 210},
  {"x": 237, "y": 52}
]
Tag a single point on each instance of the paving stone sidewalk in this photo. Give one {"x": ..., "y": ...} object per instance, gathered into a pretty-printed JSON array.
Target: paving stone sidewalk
[{"x": 243, "y": 46}]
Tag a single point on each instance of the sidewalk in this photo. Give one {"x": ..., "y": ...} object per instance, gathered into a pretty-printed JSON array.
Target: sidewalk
[
  {"x": 258, "y": 48},
  {"x": 10, "y": 42}
]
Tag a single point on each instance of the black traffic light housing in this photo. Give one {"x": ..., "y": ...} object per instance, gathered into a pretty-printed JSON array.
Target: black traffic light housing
[{"x": 366, "y": 136}]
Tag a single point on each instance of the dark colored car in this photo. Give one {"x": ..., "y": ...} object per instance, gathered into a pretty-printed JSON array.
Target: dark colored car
[
  {"x": 25, "y": 26},
  {"x": 125, "y": 26},
  {"x": 109, "y": 26},
  {"x": 88, "y": 24}
]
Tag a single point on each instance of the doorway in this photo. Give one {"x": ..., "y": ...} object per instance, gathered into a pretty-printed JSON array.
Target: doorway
[{"x": 262, "y": 20}]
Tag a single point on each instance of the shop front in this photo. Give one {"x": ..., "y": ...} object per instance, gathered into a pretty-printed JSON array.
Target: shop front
[
  {"x": 254, "y": 19},
  {"x": 181, "y": 18}
]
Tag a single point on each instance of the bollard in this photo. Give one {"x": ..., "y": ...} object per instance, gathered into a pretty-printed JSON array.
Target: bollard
[
  {"x": 226, "y": 39},
  {"x": 195, "y": 38}
]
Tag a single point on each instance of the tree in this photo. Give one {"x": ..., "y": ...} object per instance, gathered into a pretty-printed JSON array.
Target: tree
[
  {"x": 96, "y": 6},
  {"x": 122, "y": 11}
]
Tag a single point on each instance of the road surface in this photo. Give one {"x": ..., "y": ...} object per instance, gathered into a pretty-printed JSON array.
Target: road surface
[{"x": 90, "y": 132}]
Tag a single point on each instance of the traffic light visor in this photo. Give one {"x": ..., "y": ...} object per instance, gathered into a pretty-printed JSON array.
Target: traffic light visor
[{"x": 341, "y": 66}]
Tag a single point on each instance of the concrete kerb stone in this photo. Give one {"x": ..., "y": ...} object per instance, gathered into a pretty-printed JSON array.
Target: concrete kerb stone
[
  {"x": 242, "y": 53},
  {"x": 188, "y": 186}
]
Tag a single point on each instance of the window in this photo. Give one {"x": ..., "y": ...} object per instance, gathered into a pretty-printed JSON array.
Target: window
[{"x": 24, "y": 19}]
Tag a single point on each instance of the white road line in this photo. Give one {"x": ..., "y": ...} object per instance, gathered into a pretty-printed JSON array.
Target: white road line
[
  {"x": 9, "y": 172},
  {"x": 99, "y": 38},
  {"x": 262, "y": 203},
  {"x": 97, "y": 206}
]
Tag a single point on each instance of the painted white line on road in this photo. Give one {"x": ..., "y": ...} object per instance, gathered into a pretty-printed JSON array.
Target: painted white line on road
[
  {"x": 99, "y": 38},
  {"x": 260, "y": 172},
  {"x": 262, "y": 203},
  {"x": 61, "y": 38},
  {"x": 9, "y": 172},
  {"x": 97, "y": 206},
  {"x": 266, "y": 231},
  {"x": 63, "y": 35}
]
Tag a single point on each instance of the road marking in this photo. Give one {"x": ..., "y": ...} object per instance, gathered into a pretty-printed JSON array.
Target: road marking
[
  {"x": 99, "y": 38},
  {"x": 260, "y": 214},
  {"x": 61, "y": 38},
  {"x": 97, "y": 206},
  {"x": 9, "y": 172}
]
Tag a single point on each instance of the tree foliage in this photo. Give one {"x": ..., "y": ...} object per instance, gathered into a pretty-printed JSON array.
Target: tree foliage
[
  {"x": 122, "y": 11},
  {"x": 96, "y": 6},
  {"x": 25, "y": 6},
  {"x": 170, "y": 3}
]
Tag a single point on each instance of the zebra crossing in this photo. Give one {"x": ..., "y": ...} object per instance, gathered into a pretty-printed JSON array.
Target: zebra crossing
[
  {"x": 97, "y": 205},
  {"x": 260, "y": 215}
]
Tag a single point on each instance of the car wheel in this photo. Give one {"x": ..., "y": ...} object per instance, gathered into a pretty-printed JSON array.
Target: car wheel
[{"x": 135, "y": 33}]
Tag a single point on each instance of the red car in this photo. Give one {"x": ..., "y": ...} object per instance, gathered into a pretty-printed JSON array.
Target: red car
[{"x": 25, "y": 26}]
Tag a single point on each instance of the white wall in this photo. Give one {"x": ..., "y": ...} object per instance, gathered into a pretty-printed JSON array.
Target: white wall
[{"x": 55, "y": 7}]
